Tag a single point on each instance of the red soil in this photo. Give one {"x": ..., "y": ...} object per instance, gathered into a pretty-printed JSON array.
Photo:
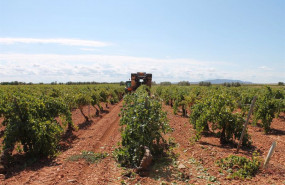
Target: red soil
[{"x": 198, "y": 158}]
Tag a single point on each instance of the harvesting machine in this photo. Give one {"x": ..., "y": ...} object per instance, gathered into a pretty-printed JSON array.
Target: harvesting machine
[{"x": 137, "y": 79}]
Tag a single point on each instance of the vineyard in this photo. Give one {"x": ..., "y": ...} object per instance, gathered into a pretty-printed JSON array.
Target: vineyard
[
  {"x": 37, "y": 117},
  {"x": 97, "y": 134}
]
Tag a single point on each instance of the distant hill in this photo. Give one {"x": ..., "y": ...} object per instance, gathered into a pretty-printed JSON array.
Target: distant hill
[{"x": 221, "y": 81}]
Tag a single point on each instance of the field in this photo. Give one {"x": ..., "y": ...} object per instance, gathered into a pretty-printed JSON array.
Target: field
[{"x": 202, "y": 125}]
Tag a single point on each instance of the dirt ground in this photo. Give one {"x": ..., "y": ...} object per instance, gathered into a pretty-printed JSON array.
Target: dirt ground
[{"x": 195, "y": 163}]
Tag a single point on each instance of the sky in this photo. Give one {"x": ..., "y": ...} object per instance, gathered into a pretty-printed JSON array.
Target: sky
[{"x": 175, "y": 40}]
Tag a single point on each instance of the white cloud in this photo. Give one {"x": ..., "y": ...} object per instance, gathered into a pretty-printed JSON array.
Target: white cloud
[
  {"x": 211, "y": 70},
  {"x": 89, "y": 49},
  {"x": 50, "y": 67},
  {"x": 108, "y": 68},
  {"x": 265, "y": 68},
  {"x": 62, "y": 41}
]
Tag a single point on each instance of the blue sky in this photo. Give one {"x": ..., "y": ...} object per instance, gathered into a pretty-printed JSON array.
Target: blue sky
[{"x": 50, "y": 40}]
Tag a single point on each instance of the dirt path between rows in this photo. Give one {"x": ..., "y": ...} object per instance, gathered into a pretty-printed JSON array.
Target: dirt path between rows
[{"x": 100, "y": 136}]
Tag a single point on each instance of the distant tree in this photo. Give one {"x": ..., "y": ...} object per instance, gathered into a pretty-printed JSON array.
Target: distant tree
[
  {"x": 153, "y": 83},
  {"x": 184, "y": 83},
  {"x": 227, "y": 84},
  {"x": 233, "y": 84},
  {"x": 54, "y": 83},
  {"x": 165, "y": 83},
  {"x": 122, "y": 83},
  {"x": 13, "y": 83},
  {"x": 202, "y": 83},
  {"x": 281, "y": 83},
  {"x": 236, "y": 84},
  {"x": 4, "y": 83}
]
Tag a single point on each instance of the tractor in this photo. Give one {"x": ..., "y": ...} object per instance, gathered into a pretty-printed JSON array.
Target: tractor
[{"x": 137, "y": 79}]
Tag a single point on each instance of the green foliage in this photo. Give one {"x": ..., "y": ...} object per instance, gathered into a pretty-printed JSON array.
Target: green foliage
[
  {"x": 36, "y": 117},
  {"x": 240, "y": 167},
  {"x": 216, "y": 110},
  {"x": 88, "y": 156},
  {"x": 143, "y": 123},
  {"x": 268, "y": 105},
  {"x": 144, "y": 89},
  {"x": 104, "y": 95},
  {"x": 95, "y": 96},
  {"x": 81, "y": 100},
  {"x": 176, "y": 97},
  {"x": 30, "y": 121},
  {"x": 244, "y": 99},
  {"x": 218, "y": 107}
]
